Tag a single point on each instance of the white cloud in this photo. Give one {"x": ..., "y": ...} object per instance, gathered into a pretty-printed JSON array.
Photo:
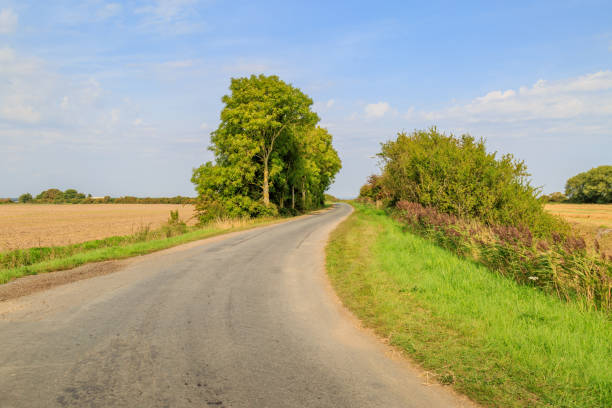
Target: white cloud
[
  {"x": 610, "y": 46},
  {"x": 20, "y": 113},
  {"x": 377, "y": 110},
  {"x": 587, "y": 95},
  {"x": 115, "y": 115},
  {"x": 204, "y": 126},
  {"x": 109, "y": 10},
  {"x": 330, "y": 103},
  {"x": 8, "y": 21},
  {"x": 137, "y": 122}
]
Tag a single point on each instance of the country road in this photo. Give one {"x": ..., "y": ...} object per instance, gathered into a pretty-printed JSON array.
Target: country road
[{"x": 248, "y": 320}]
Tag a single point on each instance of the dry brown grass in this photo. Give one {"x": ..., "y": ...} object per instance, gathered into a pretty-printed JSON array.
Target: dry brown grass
[
  {"x": 591, "y": 221},
  {"x": 26, "y": 226}
]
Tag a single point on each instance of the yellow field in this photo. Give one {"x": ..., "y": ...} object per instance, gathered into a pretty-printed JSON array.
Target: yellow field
[
  {"x": 592, "y": 221},
  {"x": 595, "y": 215},
  {"x": 26, "y": 226}
]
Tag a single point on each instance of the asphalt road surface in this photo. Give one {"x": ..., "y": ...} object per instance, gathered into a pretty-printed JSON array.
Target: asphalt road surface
[{"x": 248, "y": 320}]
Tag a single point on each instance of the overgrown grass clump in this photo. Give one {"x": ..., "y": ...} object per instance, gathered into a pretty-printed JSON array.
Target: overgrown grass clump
[{"x": 501, "y": 343}]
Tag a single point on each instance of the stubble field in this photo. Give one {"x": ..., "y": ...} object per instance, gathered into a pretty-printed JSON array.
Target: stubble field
[
  {"x": 27, "y": 226},
  {"x": 592, "y": 221}
]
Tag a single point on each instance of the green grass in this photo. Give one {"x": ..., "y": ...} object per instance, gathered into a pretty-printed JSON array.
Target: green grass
[
  {"x": 71, "y": 256},
  {"x": 502, "y": 344}
]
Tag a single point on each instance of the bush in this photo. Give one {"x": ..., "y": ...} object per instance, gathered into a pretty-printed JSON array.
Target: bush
[
  {"x": 556, "y": 197},
  {"x": 593, "y": 186},
  {"x": 25, "y": 198},
  {"x": 459, "y": 177}
]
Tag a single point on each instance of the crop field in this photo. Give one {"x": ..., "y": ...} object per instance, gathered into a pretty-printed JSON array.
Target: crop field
[
  {"x": 27, "y": 226},
  {"x": 592, "y": 221},
  {"x": 591, "y": 215}
]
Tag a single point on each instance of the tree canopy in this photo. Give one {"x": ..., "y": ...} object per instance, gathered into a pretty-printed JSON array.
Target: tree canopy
[
  {"x": 593, "y": 186},
  {"x": 267, "y": 148}
]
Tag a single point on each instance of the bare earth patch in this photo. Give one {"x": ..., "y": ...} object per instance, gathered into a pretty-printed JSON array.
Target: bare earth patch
[
  {"x": 33, "y": 225},
  {"x": 36, "y": 283}
]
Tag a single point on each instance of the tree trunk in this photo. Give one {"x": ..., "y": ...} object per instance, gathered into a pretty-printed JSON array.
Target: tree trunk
[
  {"x": 303, "y": 195},
  {"x": 266, "y": 187},
  {"x": 292, "y": 197}
]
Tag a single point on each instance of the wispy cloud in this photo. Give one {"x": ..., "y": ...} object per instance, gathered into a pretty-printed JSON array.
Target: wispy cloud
[
  {"x": 321, "y": 106},
  {"x": 171, "y": 16},
  {"x": 36, "y": 101},
  {"x": 376, "y": 110},
  {"x": 109, "y": 10},
  {"x": 8, "y": 21}
]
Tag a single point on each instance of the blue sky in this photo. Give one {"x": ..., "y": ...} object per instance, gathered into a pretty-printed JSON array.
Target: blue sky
[{"x": 119, "y": 98}]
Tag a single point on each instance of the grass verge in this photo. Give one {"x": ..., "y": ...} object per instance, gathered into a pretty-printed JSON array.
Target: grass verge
[
  {"x": 144, "y": 242},
  {"x": 500, "y": 343}
]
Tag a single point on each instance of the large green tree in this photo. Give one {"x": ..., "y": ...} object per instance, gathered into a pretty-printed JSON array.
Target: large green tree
[
  {"x": 260, "y": 114},
  {"x": 266, "y": 147},
  {"x": 593, "y": 186}
]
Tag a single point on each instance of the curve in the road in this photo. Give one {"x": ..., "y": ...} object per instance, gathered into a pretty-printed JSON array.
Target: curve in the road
[{"x": 246, "y": 321}]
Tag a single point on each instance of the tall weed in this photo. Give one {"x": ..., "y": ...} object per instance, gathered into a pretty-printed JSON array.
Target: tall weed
[{"x": 560, "y": 265}]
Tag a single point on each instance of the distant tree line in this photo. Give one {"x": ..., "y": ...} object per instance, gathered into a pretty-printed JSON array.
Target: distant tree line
[
  {"x": 589, "y": 187},
  {"x": 270, "y": 155},
  {"x": 72, "y": 196}
]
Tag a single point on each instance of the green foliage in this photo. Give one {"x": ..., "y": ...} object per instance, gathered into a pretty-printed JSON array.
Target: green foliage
[
  {"x": 555, "y": 197},
  {"x": 458, "y": 176},
  {"x": 269, "y": 154},
  {"x": 72, "y": 196},
  {"x": 593, "y": 186},
  {"x": 52, "y": 195},
  {"x": 372, "y": 190},
  {"x": 330, "y": 198},
  {"x": 25, "y": 198}
]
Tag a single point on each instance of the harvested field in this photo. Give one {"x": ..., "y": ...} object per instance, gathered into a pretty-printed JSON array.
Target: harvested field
[
  {"x": 592, "y": 221},
  {"x": 596, "y": 215},
  {"x": 32, "y": 225}
]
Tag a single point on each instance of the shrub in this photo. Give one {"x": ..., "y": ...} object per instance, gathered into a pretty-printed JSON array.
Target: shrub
[
  {"x": 555, "y": 197},
  {"x": 25, "y": 198},
  {"x": 458, "y": 176}
]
